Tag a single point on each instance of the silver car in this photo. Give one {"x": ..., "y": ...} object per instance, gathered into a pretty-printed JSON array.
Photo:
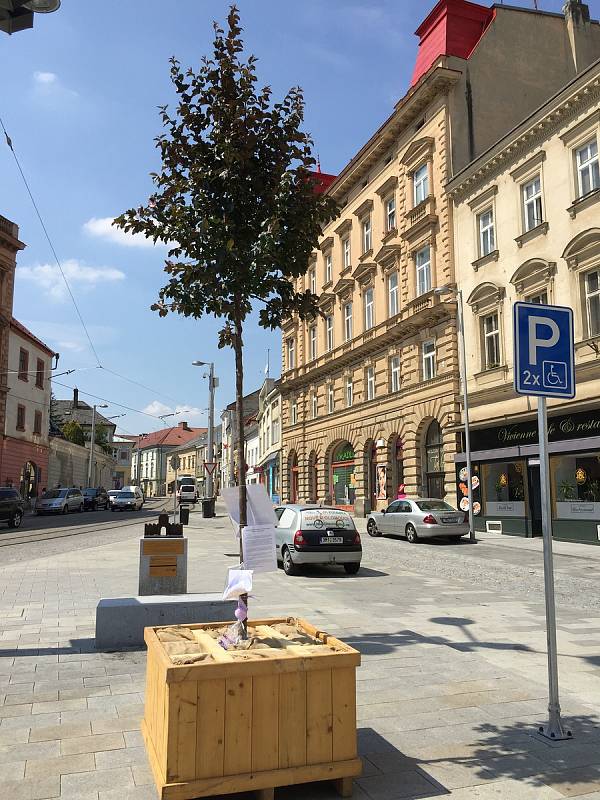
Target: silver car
[
  {"x": 418, "y": 518},
  {"x": 59, "y": 501},
  {"x": 316, "y": 535},
  {"x": 128, "y": 500}
]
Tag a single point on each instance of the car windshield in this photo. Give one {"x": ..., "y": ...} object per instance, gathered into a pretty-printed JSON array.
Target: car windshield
[
  {"x": 90, "y": 492},
  {"x": 54, "y": 493},
  {"x": 434, "y": 505},
  {"x": 125, "y": 495}
]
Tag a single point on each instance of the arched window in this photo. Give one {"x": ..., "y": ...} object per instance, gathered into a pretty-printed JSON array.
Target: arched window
[{"x": 434, "y": 460}]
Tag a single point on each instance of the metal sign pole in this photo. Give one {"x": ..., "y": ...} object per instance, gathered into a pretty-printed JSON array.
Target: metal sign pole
[{"x": 554, "y": 729}]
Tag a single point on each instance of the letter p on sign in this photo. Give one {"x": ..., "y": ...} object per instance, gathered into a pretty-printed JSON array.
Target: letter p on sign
[{"x": 544, "y": 362}]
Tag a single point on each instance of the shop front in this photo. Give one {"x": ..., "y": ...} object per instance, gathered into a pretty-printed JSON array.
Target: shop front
[
  {"x": 505, "y": 488},
  {"x": 343, "y": 476},
  {"x": 270, "y": 477}
]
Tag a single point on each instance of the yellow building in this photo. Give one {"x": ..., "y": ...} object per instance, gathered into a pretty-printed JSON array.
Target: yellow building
[
  {"x": 370, "y": 388},
  {"x": 527, "y": 227}
]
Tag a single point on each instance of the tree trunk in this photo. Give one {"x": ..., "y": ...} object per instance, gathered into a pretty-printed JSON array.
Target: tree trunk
[{"x": 239, "y": 407}]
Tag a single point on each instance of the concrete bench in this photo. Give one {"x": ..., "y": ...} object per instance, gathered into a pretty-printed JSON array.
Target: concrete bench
[{"x": 120, "y": 622}]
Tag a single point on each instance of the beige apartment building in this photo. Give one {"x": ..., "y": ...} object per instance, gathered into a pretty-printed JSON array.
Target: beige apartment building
[
  {"x": 370, "y": 387},
  {"x": 269, "y": 438},
  {"x": 527, "y": 227}
]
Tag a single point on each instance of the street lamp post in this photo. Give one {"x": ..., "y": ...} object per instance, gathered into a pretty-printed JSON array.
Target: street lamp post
[
  {"x": 463, "y": 379},
  {"x": 17, "y": 15},
  {"x": 210, "y": 445},
  {"x": 93, "y": 441}
]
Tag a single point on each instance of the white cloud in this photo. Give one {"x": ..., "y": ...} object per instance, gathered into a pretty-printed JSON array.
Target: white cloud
[
  {"x": 48, "y": 278},
  {"x": 102, "y": 228},
  {"x": 70, "y": 338},
  {"x": 196, "y": 417},
  {"x": 45, "y": 78}
]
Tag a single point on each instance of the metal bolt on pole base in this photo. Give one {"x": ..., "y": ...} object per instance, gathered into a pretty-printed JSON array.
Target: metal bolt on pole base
[{"x": 555, "y": 730}]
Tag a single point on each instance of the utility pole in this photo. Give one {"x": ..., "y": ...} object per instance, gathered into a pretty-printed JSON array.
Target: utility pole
[{"x": 211, "y": 431}]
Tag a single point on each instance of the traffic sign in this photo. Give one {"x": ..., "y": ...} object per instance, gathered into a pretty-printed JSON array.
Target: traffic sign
[
  {"x": 544, "y": 350},
  {"x": 175, "y": 462},
  {"x": 210, "y": 466}
]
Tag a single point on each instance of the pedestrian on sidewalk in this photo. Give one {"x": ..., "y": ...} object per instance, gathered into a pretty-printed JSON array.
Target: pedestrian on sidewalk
[{"x": 401, "y": 494}]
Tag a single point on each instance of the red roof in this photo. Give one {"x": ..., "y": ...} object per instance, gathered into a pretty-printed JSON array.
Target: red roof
[
  {"x": 322, "y": 181},
  {"x": 171, "y": 437},
  {"x": 20, "y": 328},
  {"x": 453, "y": 28}
]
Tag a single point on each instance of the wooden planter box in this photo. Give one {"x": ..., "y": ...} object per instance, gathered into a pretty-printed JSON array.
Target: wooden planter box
[{"x": 253, "y": 720}]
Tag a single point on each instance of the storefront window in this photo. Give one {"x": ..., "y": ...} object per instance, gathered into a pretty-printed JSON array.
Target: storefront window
[
  {"x": 504, "y": 489},
  {"x": 576, "y": 486},
  {"x": 343, "y": 475}
]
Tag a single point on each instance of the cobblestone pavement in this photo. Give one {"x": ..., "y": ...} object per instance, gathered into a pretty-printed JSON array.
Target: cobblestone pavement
[{"x": 452, "y": 685}]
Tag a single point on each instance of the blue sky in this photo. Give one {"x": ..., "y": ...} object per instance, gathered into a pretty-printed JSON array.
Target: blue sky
[{"x": 81, "y": 107}]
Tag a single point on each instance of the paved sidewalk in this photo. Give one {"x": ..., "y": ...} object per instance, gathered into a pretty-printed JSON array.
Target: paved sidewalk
[{"x": 452, "y": 685}]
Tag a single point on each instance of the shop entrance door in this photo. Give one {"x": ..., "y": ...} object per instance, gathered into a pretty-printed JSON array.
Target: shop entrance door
[{"x": 535, "y": 499}]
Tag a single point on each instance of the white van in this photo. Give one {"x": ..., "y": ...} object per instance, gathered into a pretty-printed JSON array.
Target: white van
[
  {"x": 130, "y": 497},
  {"x": 186, "y": 489}
]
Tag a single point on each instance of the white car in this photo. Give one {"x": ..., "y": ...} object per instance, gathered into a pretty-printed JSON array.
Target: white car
[
  {"x": 187, "y": 493},
  {"x": 111, "y": 496},
  {"x": 130, "y": 498}
]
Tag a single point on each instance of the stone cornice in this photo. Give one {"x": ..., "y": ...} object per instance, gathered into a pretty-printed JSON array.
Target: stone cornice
[{"x": 577, "y": 97}]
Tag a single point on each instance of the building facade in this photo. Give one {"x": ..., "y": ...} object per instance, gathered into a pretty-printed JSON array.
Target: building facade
[
  {"x": 269, "y": 438},
  {"x": 229, "y": 437},
  {"x": 527, "y": 228},
  {"x": 151, "y": 453},
  {"x": 370, "y": 388},
  {"x": 25, "y": 444},
  {"x": 68, "y": 465},
  {"x": 122, "y": 454}
]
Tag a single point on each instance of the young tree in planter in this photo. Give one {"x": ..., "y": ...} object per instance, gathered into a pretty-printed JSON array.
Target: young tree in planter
[{"x": 236, "y": 200}]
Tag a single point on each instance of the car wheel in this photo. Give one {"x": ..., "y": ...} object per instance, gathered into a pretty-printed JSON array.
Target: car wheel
[
  {"x": 411, "y": 534},
  {"x": 288, "y": 565},
  {"x": 352, "y": 569},
  {"x": 65, "y": 508},
  {"x": 80, "y": 509},
  {"x": 372, "y": 528},
  {"x": 16, "y": 519}
]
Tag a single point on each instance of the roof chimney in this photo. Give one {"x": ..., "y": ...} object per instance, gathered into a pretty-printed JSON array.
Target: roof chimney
[
  {"x": 183, "y": 426},
  {"x": 577, "y": 16},
  {"x": 75, "y": 398}
]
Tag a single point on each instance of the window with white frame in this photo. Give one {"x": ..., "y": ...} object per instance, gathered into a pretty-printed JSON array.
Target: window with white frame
[
  {"x": 329, "y": 332},
  {"x": 421, "y": 184},
  {"x": 330, "y": 399},
  {"x": 532, "y": 203},
  {"x": 275, "y": 431},
  {"x": 370, "y": 381},
  {"x": 588, "y": 167},
  {"x": 367, "y": 238},
  {"x": 312, "y": 336},
  {"x": 347, "y": 322},
  {"x": 346, "y": 252},
  {"x": 313, "y": 281},
  {"x": 487, "y": 238},
  {"x": 328, "y": 268},
  {"x": 395, "y": 373},
  {"x": 423, "y": 265},
  {"x": 369, "y": 308},
  {"x": 349, "y": 391},
  {"x": 490, "y": 332},
  {"x": 315, "y": 405},
  {"x": 291, "y": 354},
  {"x": 294, "y": 412},
  {"x": 592, "y": 302},
  {"x": 390, "y": 213},
  {"x": 428, "y": 355},
  {"x": 392, "y": 285},
  {"x": 540, "y": 298}
]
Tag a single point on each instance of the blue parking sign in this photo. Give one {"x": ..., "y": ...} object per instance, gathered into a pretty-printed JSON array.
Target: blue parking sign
[{"x": 544, "y": 350}]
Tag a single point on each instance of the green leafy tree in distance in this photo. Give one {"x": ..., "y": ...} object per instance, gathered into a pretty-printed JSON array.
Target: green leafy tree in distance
[
  {"x": 73, "y": 432},
  {"x": 235, "y": 200}
]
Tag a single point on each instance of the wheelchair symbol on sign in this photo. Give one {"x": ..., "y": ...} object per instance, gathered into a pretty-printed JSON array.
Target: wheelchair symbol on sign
[{"x": 554, "y": 374}]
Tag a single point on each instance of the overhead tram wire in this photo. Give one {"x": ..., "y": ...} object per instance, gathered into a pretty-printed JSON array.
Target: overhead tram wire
[
  {"x": 49, "y": 240},
  {"x": 106, "y": 400}
]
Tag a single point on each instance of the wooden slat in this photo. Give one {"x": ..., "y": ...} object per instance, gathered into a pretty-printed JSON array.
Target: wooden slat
[
  {"x": 238, "y": 726},
  {"x": 344, "y": 713},
  {"x": 163, "y": 561},
  {"x": 292, "y": 719},
  {"x": 319, "y": 717},
  {"x": 171, "y": 727},
  {"x": 211, "y": 646},
  {"x": 265, "y": 726},
  {"x": 186, "y": 731},
  {"x": 163, "y": 572},
  {"x": 210, "y": 730},
  {"x": 156, "y": 547}
]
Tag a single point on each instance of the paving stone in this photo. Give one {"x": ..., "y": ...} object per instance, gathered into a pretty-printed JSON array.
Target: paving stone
[
  {"x": 107, "y": 779},
  {"x": 65, "y": 731},
  {"x": 29, "y": 751},
  {"x": 137, "y": 793},
  {"x": 115, "y": 725},
  {"x": 92, "y": 744},
  {"x": 36, "y": 789},
  {"x": 12, "y": 771},
  {"x": 29, "y": 721},
  {"x": 410, "y": 784},
  {"x": 133, "y": 739},
  {"x": 61, "y": 765},
  {"x": 142, "y": 774},
  {"x": 121, "y": 758}
]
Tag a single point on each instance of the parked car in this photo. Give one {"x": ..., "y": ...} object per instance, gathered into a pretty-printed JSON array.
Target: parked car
[
  {"x": 112, "y": 493},
  {"x": 12, "y": 507},
  {"x": 95, "y": 498},
  {"x": 418, "y": 518},
  {"x": 316, "y": 535},
  {"x": 128, "y": 499},
  {"x": 187, "y": 493},
  {"x": 60, "y": 501}
]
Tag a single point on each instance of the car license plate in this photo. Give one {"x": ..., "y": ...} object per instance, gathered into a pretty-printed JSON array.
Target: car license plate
[
  {"x": 332, "y": 540},
  {"x": 449, "y": 519}
]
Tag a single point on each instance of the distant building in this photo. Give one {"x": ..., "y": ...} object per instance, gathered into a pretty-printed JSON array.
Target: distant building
[
  {"x": 251, "y": 449},
  {"x": 150, "y": 456},
  {"x": 229, "y": 458},
  {"x": 25, "y": 445},
  {"x": 269, "y": 434},
  {"x": 122, "y": 454}
]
